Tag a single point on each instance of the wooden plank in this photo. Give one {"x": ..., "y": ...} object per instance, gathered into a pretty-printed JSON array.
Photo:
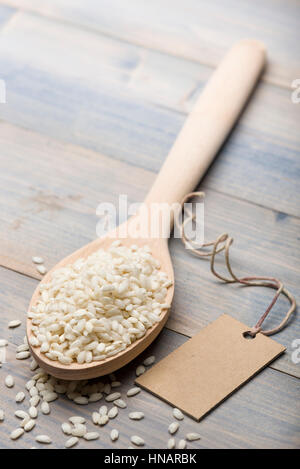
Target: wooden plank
[
  {"x": 197, "y": 30},
  {"x": 263, "y": 414},
  {"x": 48, "y": 197},
  {"x": 88, "y": 102},
  {"x": 6, "y": 13}
]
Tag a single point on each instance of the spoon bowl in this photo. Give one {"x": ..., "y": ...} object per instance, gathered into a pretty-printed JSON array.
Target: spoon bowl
[{"x": 75, "y": 371}]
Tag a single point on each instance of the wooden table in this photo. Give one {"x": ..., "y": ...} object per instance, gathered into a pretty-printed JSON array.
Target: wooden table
[{"x": 96, "y": 93}]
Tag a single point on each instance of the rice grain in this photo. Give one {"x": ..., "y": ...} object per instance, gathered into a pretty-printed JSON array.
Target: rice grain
[
  {"x": 171, "y": 443},
  {"x": 77, "y": 419},
  {"x": 43, "y": 439},
  {"x": 113, "y": 412},
  {"x": 133, "y": 391},
  {"x": 182, "y": 444},
  {"x": 120, "y": 403},
  {"x": 149, "y": 361},
  {"x": 33, "y": 412},
  {"x": 137, "y": 440},
  {"x": 140, "y": 370},
  {"x": 91, "y": 436},
  {"x": 37, "y": 260},
  {"x": 178, "y": 414},
  {"x": 136, "y": 415},
  {"x": 103, "y": 419},
  {"x": 112, "y": 397},
  {"x": 23, "y": 355},
  {"x": 71, "y": 442},
  {"x": 114, "y": 435},
  {"x": 9, "y": 381},
  {"x": 193, "y": 436},
  {"x": 45, "y": 408},
  {"x": 29, "y": 425},
  {"x": 16, "y": 434},
  {"x": 14, "y": 324},
  {"x": 20, "y": 397},
  {"x": 79, "y": 430},
  {"x": 173, "y": 428}
]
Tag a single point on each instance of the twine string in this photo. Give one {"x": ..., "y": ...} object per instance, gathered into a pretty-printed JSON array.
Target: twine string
[{"x": 223, "y": 243}]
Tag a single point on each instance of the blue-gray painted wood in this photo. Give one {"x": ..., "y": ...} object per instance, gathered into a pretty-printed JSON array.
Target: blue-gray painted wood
[
  {"x": 83, "y": 89},
  {"x": 89, "y": 99},
  {"x": 196, "y": 29},
  {"x": 262, "y": 414},
  {"x": 6, "y": 13}
]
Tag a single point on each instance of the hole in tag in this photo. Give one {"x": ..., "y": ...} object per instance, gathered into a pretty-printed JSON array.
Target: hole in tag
[{"x": 248, "y": 335}]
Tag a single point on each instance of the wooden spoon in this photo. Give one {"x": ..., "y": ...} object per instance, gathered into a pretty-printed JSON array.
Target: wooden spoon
[{"x": 204, "y": 131}]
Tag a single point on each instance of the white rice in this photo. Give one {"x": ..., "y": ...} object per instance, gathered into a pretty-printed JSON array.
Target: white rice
[{"x": 95, "y": 308}]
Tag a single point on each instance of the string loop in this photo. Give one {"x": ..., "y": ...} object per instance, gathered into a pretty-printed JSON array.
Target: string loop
[{"x": 223, "y": 243}]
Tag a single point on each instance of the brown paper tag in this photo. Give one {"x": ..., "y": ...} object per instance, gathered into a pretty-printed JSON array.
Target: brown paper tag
[{"x": 208, "y": 368}]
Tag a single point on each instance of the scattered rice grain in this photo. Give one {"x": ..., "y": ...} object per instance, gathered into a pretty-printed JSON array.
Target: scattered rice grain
[
  {"x": 33, "y": 412},
  {"x": 140, "y": 370},
  {"x": 29, "y": 425},
  {"x": 14, "y": 324},
  {"x": 81, "y": 400},
  {"x": 120, "y": 403},
  {"x": 15, "y": 434},
  {"x": 103, "y": 419},
  {"x": 71, "y": 442},
  {"x": 193, "y": 436},
  {"x": 79, "y": 430},
  {"x": 136, "y": 415},
  {"x": 91, "y": 436},
  {"x": 95, "y": 397},
  {"x": 112, "y": 397},
  {"x": 173, "y": 427},
  {"x": 37, "y": 260},
  {"x": 149, "y": 361},
  {"x": 114, "y": 435},
  {"x": 137, "y": 440},
  {"x": 113, "y": 412},
  {"x": 77, "y": 419},
  {"x": 41, "y": 269},
  {"x": 20, "y": 397},
  {"x": 103, "y": 410},
  {"x": 171, "y": 443},
  {"x": 178, "y": 414},
  {"x": 23, "y": 355},
  {"x": 9, "y": 381},
  {"x": 34, "y": 401},
  {"x": 44, "y": 439},
  {"x": 182, "y": 444},
  {"x": 66, "y": 428},
  {"x": 133, "y": 391},
  {"x": 45, "y": 408}
]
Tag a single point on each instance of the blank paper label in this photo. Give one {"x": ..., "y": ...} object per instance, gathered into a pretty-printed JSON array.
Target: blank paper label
[{"x": 205, "y": 370}]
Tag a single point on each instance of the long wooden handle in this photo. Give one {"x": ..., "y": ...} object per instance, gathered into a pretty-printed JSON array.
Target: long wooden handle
[{"x": 211, "y": 120}]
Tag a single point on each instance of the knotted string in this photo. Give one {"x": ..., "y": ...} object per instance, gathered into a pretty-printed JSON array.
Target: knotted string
[{"x": 223, "y": 243}]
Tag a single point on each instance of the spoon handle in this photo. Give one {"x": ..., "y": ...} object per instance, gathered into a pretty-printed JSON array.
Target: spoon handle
[{"x": 210, "y": 122}]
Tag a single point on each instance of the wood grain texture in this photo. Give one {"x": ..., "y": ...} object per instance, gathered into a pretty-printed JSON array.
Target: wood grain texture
[
  {"x": 119, "y": 81},
  {"x": 89, "y": 101},
  {"x": 6, "y": 12},
  {"x": 263, "y": 414},
  {"x": 197, "y": 30},
  {"x": 44, "y": 213}
]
